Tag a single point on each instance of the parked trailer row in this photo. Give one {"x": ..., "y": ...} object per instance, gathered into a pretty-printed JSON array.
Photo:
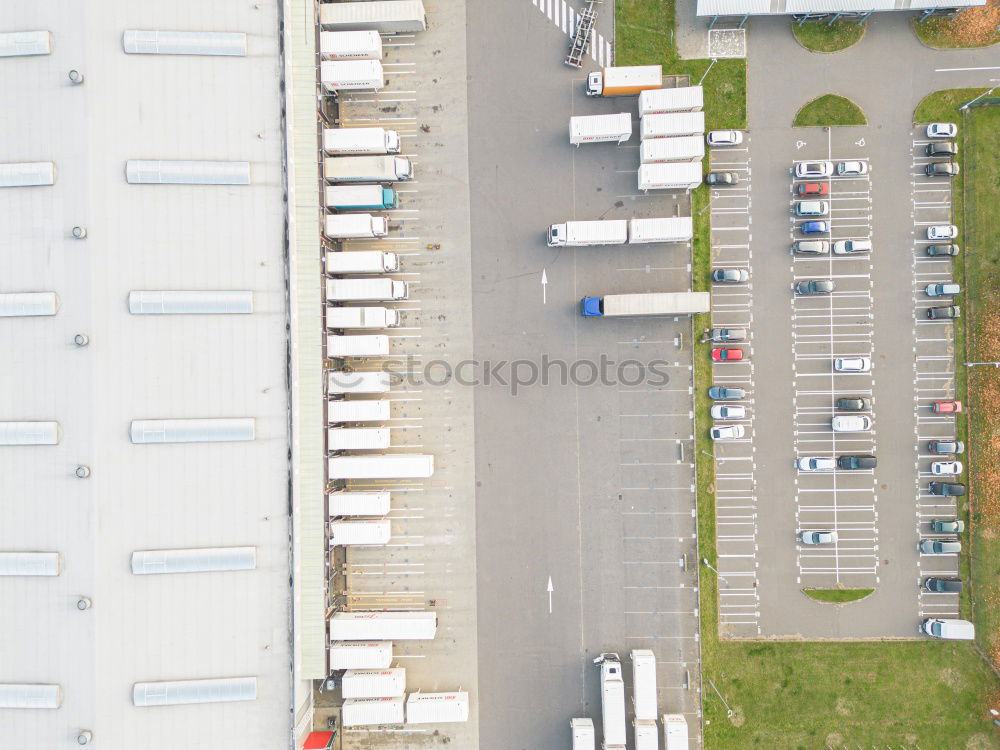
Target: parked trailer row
[
  {"x": 386, "y": 16},
  {"x": 420, "y": 708},
  {"x": 355, "y": 226},
  {"x": 360, "y": 261},
  {"x": 360, "y": 655},
  {"x": 364, "y": 197},
  {"x": 351, "y": 75},
  {"x": 361, "y": 317},
  {"x": 672, "y": 124},
  {"x": 620, "y": 231},
  {"x": 600, "y": 128},
  {"x": 372, "y": 532},
  {"x": 680, "y": 148},
  {"x": 680, "y": 99},
  {"x": 675, "y": 733},
  {"x": 670, "y": 176},
  {"x": 365, "y": 290},
  {"x": 346, "y": 169},
  {"x": 350, "y": 45}
]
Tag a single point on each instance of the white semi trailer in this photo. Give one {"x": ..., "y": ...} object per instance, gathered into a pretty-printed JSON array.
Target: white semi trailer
[
  {"x": 346, "y": 141},
  {"x": 651, "y": 303},
  {"x": 576, "y": 233},
  {"x": 612, "y": 701},
  {"x": 600, "y": 128}
]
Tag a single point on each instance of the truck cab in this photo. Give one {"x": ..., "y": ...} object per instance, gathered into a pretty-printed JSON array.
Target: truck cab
[
  {"x": 595, "y": 83},
  {"x": 591, "y": 306}
]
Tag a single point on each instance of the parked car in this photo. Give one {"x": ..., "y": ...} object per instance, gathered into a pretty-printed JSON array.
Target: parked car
[
  {"x": 946, "y": 468},
  {"x": 948, "y": 249},
  {"x": 946, "y": 489},
  {"x": 940, "y": 547},
  {"x": 948, "y": 525},
  {"x": 941, "y": 148},
  {"x": 724, "y": 393},
  {"x": 947, "y": 407},
  {"x": 854, "y": 403},
  {"x": 852, "y": 423},
  {"x": 815, "y": 286},
  {"x": 815, "y": 463},
  {"x": 942, "y": 232},
  {"x": 941, "y": 169},
  {"x": 811, "y": 247},
  {"x": 730, "y": 276},
  {"x": 943, "y": 585},
  {"x": 724, "y": 354},
  {"x": 813, "y": 188},
  {"x": 857, "y": 462},
  {"x": 724, "y": 335},
  {"x": 811, "y": 208},
  {"x": 946, "y": 447},
  {"x": 722, "y": 178},
  {"x": 942, "y": 290},
  {"x": 944, "y": 313},
  {"x": 942, "y": 130},
  {"x": 850, "y": 168},
  {"x": 727, "y": 432},
  {"x": 952, "y": 630},
  {"x": 852, "y": 364},
  {"x": 724, "y": 138},
  {"x": 815, "y": 227},
  {"x": 846, "y": 247},
  {"x": 806, "y": 169},
  {"x": 721, "y": 411},
  {"x": 818, "y": 537}
]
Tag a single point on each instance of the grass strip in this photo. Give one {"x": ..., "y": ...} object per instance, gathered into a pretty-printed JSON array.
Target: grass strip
[{"x": 830, "y": 110}]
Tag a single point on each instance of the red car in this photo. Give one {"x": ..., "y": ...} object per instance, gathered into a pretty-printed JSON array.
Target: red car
[
  {"x": 947, "y": 407},
  {"x": 721, "y": 354},
  {"x": 813, "y": 188}
]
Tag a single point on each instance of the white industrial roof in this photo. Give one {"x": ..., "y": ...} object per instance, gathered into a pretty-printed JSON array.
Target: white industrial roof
[{"x": 157, "y": 632}]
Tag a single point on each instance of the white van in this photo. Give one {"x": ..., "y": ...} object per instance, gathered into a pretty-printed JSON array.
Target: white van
[
  {"x": 952, "y": 630},
  {"x": 851, "y": 423},
  {"x": 812, "y": 208}
]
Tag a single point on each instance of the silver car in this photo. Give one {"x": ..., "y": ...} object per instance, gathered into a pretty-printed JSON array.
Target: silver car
[
  {"x": 725, "y": 411},
  {"x": 940, "y": 547},
  {"x": 846, "y": 247},
  {"x": 728, "y": 432},
  {"x": 805, "y": 169},
  {"x": 852, "y": 364},
  {"x": 815, "y": 463},
  {"x": 818, "y": 537},
  {"x": 815, "y": 286}
]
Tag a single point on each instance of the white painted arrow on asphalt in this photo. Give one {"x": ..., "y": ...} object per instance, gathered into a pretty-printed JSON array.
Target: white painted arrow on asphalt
[
  {"x": 545, "y": 281},
  {"x": 549, "y": 587}
]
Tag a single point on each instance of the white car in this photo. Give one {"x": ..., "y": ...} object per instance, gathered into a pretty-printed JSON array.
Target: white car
[
  {"x": 851, "y": 423},
  {"x": 818, "y": 537},
  {"x": 852, "y": 364},
  {"x": 846, "y": 247},
  {"x": 851, "y": 168},
  {"x": 942, "y": 232},
  {"x": 723, "y": 411},
  {"x": 806, "y": 169},
  {"x": 724, "y": 138},
  {"x": 816, "y": 463},
  {"x": 949, "y": 468},
  {"x": 729, "y": 432},
  {"x": 942, "y": 130}
]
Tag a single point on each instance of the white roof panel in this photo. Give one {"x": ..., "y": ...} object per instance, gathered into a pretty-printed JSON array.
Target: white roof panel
[
  {"x": 135, "y": 41},
  {"x": 19, "y": 43},
  {"x": 29, "y": 564},
  {"x": 183, "y": 172},
  {"x": 179, "y": 692},
  {"x": 191, "y": 430},
  {"x": 30, "y": 696},
  {"x": 27, "y": 174},
  {"x": 29, "y": 433},
  {"x": 25, "y": 304},
  {"x": 190, "y": 302},
  {"x": 204, "y": 560}
]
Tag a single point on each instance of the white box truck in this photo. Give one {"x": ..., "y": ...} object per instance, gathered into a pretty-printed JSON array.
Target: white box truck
[
  {"x": 646, "y": 735},
  {"x": 369, "y": 532},
  {"x": 612, "y": 701},
  {"x": 362, "y": 261},
  {"x": 354, "y": 226},
  {"x": 680, "y": 99},
  {"x": 671, "y": 229},
  {"x": 365, "y": 290},
  {"x": 677, "y": 175},
  {"x": 644, "y": 684},
  {"x": 360, "y": 198},
  {"x": 351, "y": 75},
  {"x": 654, "y": 303},
  {"x": 357, "y": 346},
  {"x": 361, "y": 317},
  {"x": 368, "y": 712},
  {"x": 675, "y": 732},
  {"x": 383, "y": 626},
  {"x": 583, "y": 734},
  {"x": 437, "y": 708},
  {"x": 576, "y": 233},
  {"x": 346, "y": 141},
  {"x": 366, "y": 410},
  {"x": 358, "y": 503},
  {"x": 600, "y": 128},
  {"x": 625, "y": 80},
  {"x": 679, "y": 148},
  {"x": 671, "y": 124},
  {"x": 360, "y": 655},
  {"x": 350, "y": 45},
  {"x": 373, "y": 683},
  {"x": 357, "y": 438},
  {"x": 387, "y": 16},
  {"x": 342, "y": 382},
  {"x": 367, "y": 168},
  {"x": 385, "y": 466}
]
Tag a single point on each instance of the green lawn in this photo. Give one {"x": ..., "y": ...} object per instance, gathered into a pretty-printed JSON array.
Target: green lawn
[
  {"x": 820, "y": 36},
  {"x": 831, "y": 110},
  {"x": 975, "y": 27},
  {"x": 645, "y": 36},
  {"x": 837, "y": 596}
]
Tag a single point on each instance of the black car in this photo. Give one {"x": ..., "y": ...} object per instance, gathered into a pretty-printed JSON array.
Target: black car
[
  {"x": 942, "y": 148},
  {"x": 943, "y": 585},
  {"x": 856, "y": 462},
  {"x": 722, "y": 178},
  {"x": 722, "y": 393},
  {"x": 854, "y": 403},
  {"x": 946, "y": 489},
  {"x": 950, "y": 249},
  {"x": 941, "y": 169},
  {"x": 944, "y": 313},
  {"x": 815, "y": 286}
]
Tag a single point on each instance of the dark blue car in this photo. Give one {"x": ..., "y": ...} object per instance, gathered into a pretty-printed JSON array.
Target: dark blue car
[{"x": 815, "y": 227}]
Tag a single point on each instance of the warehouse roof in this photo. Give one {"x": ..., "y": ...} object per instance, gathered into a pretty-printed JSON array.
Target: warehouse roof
[{"x": 210, "y": 517}]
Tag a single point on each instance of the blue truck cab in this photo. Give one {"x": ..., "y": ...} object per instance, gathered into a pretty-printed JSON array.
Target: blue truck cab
[{"x": 590, "y": 306}]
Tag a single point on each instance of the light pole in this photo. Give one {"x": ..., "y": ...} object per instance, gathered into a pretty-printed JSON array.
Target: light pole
[
  {"x": 707, "y": 564},
  {"x": 729, "y": 711},
  {"x": 972, "y": 364},
  {"x": 966, "y": 105},
  {"x": 714, "y": 61}
]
